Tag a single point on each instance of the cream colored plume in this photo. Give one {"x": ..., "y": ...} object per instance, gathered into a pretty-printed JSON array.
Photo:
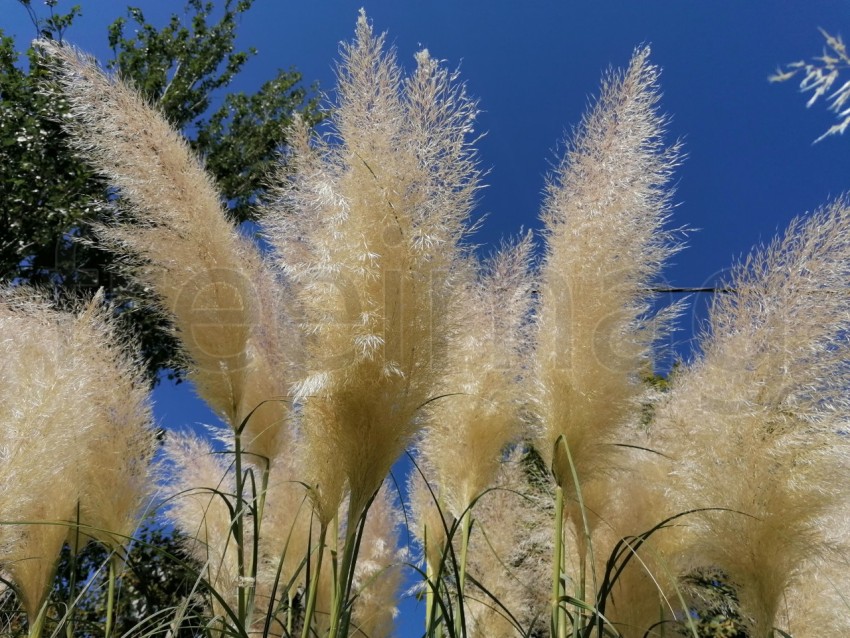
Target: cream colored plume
[
  {"x": 604, "y": 217},
  {"x": 509, "y": 553},
  {"x": 60, "y": 412},
  {"x": 478, "y": 413},
  {"x": 368, "y": 228},
  {"x": 757, "y": 424},
  {"x": 200, "y": 491},
  {"x": 46, "y": 411},
  {"x": 210, "y": 281},
  {"x": 116, "y": 485}
]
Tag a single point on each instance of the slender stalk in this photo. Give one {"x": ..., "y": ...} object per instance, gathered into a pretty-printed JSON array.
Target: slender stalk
[
  {"x": 110, "y": 594},
  {"x": 36, "y": 627},
  {"x": 466, "y": 528},
  {"x": 290, "y": 599},
  {"x": 429, "y": 587},
  {"x": 335, "y": 551},
  {"x": 557, "y": 560},
  {"x": 72, "y": 579},
  {"x": 581, "y": 589},
  {"x": 314, "y": 584},
  {"x": 434, "y": 628},
  {"x": 341, "y": 588},
  {"x": 264, "y": 486},
  {"x": 429, "y": 599},
  {"x": 340, "y": 616},
  {"x": 259, "y": 497},
  {"x": 585, "y": 545},
  {"x": 239, "y": 530}
]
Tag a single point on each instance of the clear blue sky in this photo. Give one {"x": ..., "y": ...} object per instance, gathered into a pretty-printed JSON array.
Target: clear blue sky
[{"x": 533, "y": 64}]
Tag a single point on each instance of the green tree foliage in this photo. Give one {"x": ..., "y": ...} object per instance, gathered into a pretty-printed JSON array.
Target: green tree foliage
[
  {"x": 46, "y": 191},
  {"x": 158, "y": 576},
  {"x": 51, "y": 196}
]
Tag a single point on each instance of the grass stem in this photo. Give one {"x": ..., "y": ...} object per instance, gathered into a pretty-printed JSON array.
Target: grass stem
[
  {"x": 239, "y": 529},
  {"x": 110, "y": 594},
  {"x": 36, "y": 627},
  {"x": 310, "y": 609},
  {"x": 466, "y": 528},
  {"x": 557, "y": 561}
]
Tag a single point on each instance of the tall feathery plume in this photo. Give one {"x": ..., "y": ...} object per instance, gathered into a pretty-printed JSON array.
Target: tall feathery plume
[
  {"x": 61, "y": 416},
  {"x": 117, "y": 477},
  {"x": 479, "y": 414},
  {"x": 46, "y": 407},
  {"x": 604, "y": 217},
  {"x": 209, "y": 279},
  {"x": 509, "y": 553},
  {"x": 757, "y": 424},
  {"x": 116, "y": 485},
  {"x": 368, "y": 228},
  {"x": 201, "y": 490}
]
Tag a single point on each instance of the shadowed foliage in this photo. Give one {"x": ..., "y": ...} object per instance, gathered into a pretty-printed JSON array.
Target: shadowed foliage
[{"x": 51, "y": 197}]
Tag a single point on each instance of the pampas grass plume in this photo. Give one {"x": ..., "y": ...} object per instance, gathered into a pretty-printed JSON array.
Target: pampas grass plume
[
  {"x": 210, "y": 281},
  {"x": 479, "y": 414},
  {"x": 116, "y": 484},
  {"x": 68, "y": 436},
  {"x": 368, "y": 229},
  {"x": 768, "y": 399},
  {"x": 604, "y": 214}
]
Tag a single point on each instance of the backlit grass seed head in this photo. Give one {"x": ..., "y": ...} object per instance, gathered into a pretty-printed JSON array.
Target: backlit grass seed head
[
  {"x": 61, "y": 419},
  {"x": 45, "y": 405},
  {"x": 768, "y": 398},
  {"x": 510, "y": 548},
  {"x": 172, "y": 227},
  {"x": 604, "y": 216},
  {"x": 201, "y": 490},
  {"x": 368, "y": 229},
  {"x": 480, "y": 410},
  {"x": 116, "y": 484}
]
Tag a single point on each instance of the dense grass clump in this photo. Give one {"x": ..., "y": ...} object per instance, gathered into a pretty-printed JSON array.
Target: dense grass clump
[{"x": 553, "y": 491}]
